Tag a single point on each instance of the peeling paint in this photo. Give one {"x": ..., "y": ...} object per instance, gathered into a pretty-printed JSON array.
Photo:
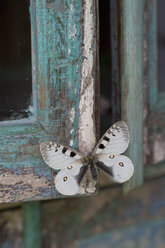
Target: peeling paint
[
  {"x": 72, "y": 118},
  {"x": 86, "y": 133},
  {"x": 64, "y": 87},
  {"x": 25, "y": 185}
]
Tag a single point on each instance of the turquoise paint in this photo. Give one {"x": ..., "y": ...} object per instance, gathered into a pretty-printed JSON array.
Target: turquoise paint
[
  {"x": 151, "y": 39},
  {"x": 32, "y": 224},
  {"x": 59, "y": 38},
  {"x": 155, "y": 120},
  {"x": 56, "y": 56},
  {"x": 34, "y": 58},
  {"x": 132, "y": 83},
  {"x": 18, "y": 146}
]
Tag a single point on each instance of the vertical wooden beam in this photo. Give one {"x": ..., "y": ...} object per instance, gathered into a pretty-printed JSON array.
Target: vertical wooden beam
[
  {"x": 151, "y": 39},
  {"x": 89, "y": 79},
  {"x": 32, "y": 224},
  {"x": 132, "y": 83}
]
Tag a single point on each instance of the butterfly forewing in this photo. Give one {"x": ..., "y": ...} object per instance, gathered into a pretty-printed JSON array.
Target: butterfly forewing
[
  {"x": 114, "y": 141},
  {"x": 109, "y": 149},
  {"x": 58, "y": 156},
  {"x": 119, "y": 167}
]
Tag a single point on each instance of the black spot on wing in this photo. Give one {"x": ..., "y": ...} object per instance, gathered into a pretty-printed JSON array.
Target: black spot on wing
[
  {"x": 101, "y": 146},
  {"x": 106, "y": 138},
  {"x": 105, "y": 168},
  {"x": 81, "y": 174},
  {"x": 72, "y": 154},
  {"x": 64, "y": 149}
]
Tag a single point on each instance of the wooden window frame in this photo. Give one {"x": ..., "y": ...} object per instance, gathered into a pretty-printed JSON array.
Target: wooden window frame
[
  {"x": 126, "y": 20},
  {"x": 65, "y": 80},
  {"x": 155, "y": 117}
]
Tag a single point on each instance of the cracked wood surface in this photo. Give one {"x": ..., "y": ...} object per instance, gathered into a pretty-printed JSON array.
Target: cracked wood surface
[{"x": 58, "y": 90}]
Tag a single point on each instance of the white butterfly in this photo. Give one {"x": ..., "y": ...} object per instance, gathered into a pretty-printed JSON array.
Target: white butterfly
[{"x": 79, "y": 172}]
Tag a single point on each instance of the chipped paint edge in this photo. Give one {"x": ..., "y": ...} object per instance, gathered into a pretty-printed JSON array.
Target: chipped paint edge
[{"x": 86, "y": 131}]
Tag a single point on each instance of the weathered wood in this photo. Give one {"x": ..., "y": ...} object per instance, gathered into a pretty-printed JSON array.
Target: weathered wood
[
  {"x": 144, "y": 235},
  {"x": 66, "y": 59},
  {"x": 89, "y": 78},
  {"x": 65, "y": 68},
  {"x": 131, "y": 49},
  {"x": 23, "y": 174},
  {"x": 155, "y": 103},
  {"x": 32, "y": 224},
  {"x": 58, "y": 29},
  {"x": 66, "y": 221},
  {"x": 151, "y": 43}
]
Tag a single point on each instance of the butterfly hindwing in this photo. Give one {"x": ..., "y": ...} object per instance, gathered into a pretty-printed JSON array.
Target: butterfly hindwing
[
  {"x": 58, "y": 156},
  {"x": 69, "y": 162},
  {"x": 118, "y": 167},
  {"x": 68, "y": 180},
  {"x": 109, "y": 149},
  {"x": 115, "y": 140}
]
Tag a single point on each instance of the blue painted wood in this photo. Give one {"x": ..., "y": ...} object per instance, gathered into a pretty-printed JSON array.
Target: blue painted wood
[
  {"x": 154, "y": 100},
  {"x": 151, "y": 39},
  {"x": 58, "y": 41},
  {"x": 32, "y": 224},
  {"x": 56, "y": 62},
  {"x": 132, "y": 83},
  {"x": 143, "y": 235},
  {"x": 58, "y": 31},
  {"x": 24, "y": 175}
]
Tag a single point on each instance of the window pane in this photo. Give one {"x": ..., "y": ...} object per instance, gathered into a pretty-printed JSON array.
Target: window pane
[
  {"x": 15, "y": 60},
  {"x": 161, "y": 44},
  {"x": 105, "y": 74}
]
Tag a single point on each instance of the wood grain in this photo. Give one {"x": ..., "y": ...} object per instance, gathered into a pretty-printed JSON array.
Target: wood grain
[
  {"x": 57, "y": 58},
  {"x": 131, "y": 56}
]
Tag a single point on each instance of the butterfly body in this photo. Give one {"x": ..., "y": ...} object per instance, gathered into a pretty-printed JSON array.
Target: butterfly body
[
  {"x": 90, "y": 162},
  {"x": 78, "y": 173}
]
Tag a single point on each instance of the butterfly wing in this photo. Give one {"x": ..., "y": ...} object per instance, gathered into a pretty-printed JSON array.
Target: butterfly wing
[
  {"x": 115, "y": 141},
  {"x": 118, "y": 167},
  {"x": 72, "y": 171},
  {"x": 58, "y": 156},
  {"x": 68, "y": 180}
]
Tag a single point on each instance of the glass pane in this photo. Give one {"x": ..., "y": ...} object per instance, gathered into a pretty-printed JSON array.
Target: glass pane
[
  {"x": 15, "y": 60},
  {"x": 105, "y": 74},
  {"x": 161, "y": 44}
]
